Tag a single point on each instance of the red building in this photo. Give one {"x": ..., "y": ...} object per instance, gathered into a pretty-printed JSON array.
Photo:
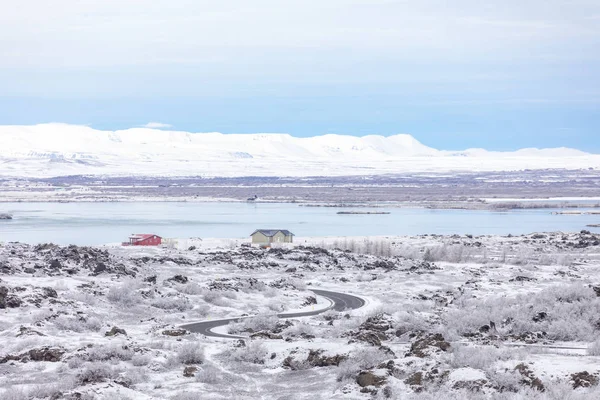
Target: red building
[{"x": 143, "y": 239}]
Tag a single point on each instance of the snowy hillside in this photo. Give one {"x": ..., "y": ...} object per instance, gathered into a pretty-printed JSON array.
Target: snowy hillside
[{"x": 60, "y": 149}]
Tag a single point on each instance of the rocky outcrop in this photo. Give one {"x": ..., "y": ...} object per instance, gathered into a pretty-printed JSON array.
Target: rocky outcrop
[{"x": 426, "y": 345}]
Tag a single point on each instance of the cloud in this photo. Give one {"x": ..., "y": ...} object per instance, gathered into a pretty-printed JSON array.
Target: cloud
[{"x": 156, "y": 125}]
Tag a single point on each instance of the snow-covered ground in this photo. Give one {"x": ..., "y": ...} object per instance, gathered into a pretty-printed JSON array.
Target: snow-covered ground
[
  {"x": 448, "y": 317},
  {"x": 48, "y": 150}
]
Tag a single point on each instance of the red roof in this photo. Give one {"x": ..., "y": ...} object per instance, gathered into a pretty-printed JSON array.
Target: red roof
[{"x": 142, "y": 236}]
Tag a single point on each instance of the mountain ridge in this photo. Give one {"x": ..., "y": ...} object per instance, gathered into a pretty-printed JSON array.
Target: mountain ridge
[{"x": 153, "y": 151}]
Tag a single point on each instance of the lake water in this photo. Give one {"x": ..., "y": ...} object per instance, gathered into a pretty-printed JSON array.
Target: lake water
[{"x": 100, "y": 223}]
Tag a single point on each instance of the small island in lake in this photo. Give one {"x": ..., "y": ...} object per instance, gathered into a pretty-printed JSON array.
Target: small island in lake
[
  {"x": 5, "y": 216},
  {"x": 362, "y": 212}
]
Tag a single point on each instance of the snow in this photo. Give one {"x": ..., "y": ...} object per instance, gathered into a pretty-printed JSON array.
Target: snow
[{"x": 60, "y": 149}]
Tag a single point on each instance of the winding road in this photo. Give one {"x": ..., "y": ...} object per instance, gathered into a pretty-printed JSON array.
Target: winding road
[{"x": 339, "y": 302}]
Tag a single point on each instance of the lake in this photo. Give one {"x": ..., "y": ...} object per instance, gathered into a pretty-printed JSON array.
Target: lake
[{"x": 101, "y": 223}]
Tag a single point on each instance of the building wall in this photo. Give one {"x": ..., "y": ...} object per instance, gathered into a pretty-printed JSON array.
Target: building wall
[{"x": 259, "y": 238}]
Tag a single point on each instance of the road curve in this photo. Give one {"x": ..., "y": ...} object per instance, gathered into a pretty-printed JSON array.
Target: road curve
[{"x": 340, "y": 302}]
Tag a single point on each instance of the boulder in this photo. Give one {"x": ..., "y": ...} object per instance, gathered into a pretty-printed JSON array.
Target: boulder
[
  {"x": 189, "y": 371},
  {"x": 425, "y": 345},
  {"x": 368, "y": 378},
  {"x": 115, "y": 331}
]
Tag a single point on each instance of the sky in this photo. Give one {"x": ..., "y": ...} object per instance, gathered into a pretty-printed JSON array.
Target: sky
[{"x": 497, "y": 74}]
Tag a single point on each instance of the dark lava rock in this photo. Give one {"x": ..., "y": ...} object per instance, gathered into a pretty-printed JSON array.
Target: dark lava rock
[
  {"x": 150, "y": 279},
  {"x": 174, "y": 332},
  {"x": 265, "y": 335},
  {"x": 529, "y": 378},
  {"x": 539, "y": 317},
  {"x": 55, "y": 264},
  {"x": 584, "y": 379},
  {"x": 317, "y": 360},
  {"x": 8, "y": 300},
  {"x": 46, "y": 354},
  {"x": 368, "y": 378},
  {"x": 49, "y": 292},
  {"x": 425, "y": 344},
  {"x": 309, "y": 300},
  {"x": 415, "y": 379},
  {"x": 100, "y": 267},
  {"x": 179, "y": 279},
  {"x": 115, "y": 331},
  {"x": 522, "y": 279},
  {"x": 189, "y": 371}
]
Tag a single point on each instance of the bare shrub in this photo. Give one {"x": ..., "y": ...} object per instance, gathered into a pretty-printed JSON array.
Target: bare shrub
[
  {"x": 190, "y": 353},
  {"x": 191, "y": 288},
  {"x": 594, "y": 348}
]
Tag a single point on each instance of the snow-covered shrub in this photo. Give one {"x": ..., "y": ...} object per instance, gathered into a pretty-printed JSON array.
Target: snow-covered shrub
[
  {"x": 479, "y": 357},
  {"x": 77, "y": 324},
  {"x": 215, "y": 297},
  {"x": 109, "y": 352},
  {"x": 256, "y": 323},
  {"x": 191, "y": 288},
  {"x": 13, "y": 393},
  {"x": 140, "y": 360},
  {"x": 360, "y": 360},
  {"x": 254, "y": 353},
  {"x": 123, "y": 295},
  {"x": 190, "y": 353},
  {"x": 569, "y": 313},
  {"x": 172, "y": 303},
  {"x": 187, "y": 395},
  {"x": 95, "y": 372},
  {"x": 594, "y": 348},
  {"x": 208, "y": 374},
  {"x": 299, "y": 329}
]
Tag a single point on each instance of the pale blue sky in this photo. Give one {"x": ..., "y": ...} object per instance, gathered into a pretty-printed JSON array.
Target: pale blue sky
[{"x": 494, "y": 74}]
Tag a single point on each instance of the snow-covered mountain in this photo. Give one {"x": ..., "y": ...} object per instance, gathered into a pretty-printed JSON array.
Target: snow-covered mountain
[{"x": 60, "y": 149}]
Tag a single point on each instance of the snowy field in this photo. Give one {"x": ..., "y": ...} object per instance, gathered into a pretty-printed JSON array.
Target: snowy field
[{"x": 446, "y": 317}]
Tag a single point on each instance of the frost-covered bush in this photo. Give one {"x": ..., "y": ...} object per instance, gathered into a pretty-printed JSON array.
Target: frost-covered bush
[
  {"x": 77, "y": 324},
  {"x": 594, "y": 348},
  {"x": 254, "y": 353},
  {"x": 172, "y": 303},
  {"x": 208, "y": 374},
  {"x": 109, "y": 352},
  {"x": 190, "y": 353},
  {"x": 360, "y": 360},
  {"x": 187, "y": 395},
  {"x": 215, "y": 297},
  {"x": 140, "y": 360},
  {"x": 123, "y": 295},
  {"x": 191, "y": 288},
  {"x": 96, "y": 372},
  {"x": 570, "y": 312},
  {"x": 13, "y": 393},
  {"x": 300, "y": 329},
  {"x": 479, "y": 357},
  {"x": 256, "y": 323}
]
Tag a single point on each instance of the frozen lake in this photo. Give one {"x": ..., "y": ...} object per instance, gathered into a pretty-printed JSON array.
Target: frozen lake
[{"x": 100, "y": 223}]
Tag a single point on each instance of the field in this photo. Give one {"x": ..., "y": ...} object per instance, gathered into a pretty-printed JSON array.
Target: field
[{"x": 448, "y": 317}]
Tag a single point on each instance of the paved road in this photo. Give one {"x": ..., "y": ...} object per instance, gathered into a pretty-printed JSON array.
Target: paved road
[{"x": 340, "y": 302}]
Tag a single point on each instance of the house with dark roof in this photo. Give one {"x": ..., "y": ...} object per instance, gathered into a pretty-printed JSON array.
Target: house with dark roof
[{"x": 268, "y": 236}]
